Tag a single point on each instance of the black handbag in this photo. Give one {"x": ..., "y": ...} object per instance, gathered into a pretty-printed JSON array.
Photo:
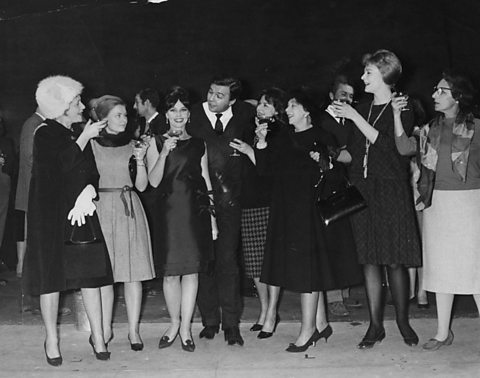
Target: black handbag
[
  {"x": 88, "y": 233},
  {"x": 341, "y": 203}
]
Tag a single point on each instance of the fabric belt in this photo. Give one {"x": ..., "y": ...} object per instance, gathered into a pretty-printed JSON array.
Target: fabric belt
[{"x": 126, "y": 188}]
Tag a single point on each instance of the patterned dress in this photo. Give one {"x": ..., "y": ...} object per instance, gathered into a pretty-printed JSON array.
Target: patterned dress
[{"x": 386, "y": 231}]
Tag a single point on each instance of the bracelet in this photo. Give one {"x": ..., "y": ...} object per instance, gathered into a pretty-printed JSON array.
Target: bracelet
[{"x": 140, "y": 165}]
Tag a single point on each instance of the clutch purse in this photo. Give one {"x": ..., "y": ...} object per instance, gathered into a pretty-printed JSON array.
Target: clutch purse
[
  {"x": 88, "y": 233},
  {"x": 340, "y": 204}
]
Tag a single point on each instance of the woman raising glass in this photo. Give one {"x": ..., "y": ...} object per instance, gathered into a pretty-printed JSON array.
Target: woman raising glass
[
  {"x": 385, "y": 232},
  {"x": 177, "y": 165},
  {"x": 296, "y": 254}
]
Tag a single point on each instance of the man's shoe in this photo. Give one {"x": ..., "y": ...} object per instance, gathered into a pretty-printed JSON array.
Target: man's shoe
[
  {"x": 338, "y": 309},
  {"x": 209, "y": 332},
  {"x": 232, "y": 336}
]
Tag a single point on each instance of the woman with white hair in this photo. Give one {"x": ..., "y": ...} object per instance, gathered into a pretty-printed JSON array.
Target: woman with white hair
[{"x": 65, "y": 243}]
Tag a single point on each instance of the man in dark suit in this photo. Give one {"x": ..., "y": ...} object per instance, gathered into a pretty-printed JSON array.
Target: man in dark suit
[
  {"x": 146, "y": 105},
  {"x": 219, "y": 120},
  {"x": 341, "y": 90}
]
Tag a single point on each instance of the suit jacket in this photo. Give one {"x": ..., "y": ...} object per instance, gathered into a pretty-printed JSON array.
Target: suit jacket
[
  {"x": 225, "y": 170},
  {"x": 26, "y": 160},
  {"x": 157, "y": 125}
]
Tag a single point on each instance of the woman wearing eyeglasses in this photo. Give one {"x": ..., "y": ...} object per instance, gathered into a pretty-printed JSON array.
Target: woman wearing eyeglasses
[{"x": 449, "y": 188}]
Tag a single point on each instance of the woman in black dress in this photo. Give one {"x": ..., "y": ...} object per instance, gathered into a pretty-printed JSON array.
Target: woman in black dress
[
  {"x": 255, "y": 201},
  {"x": 296, "y": 256},
  {"x": 177, "y": 164},
  {"x": 385, "y": 232},
  {"x": 62, "y": 190}
]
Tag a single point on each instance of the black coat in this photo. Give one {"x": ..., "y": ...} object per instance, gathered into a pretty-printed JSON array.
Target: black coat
[{"x": 60, "y": 172}]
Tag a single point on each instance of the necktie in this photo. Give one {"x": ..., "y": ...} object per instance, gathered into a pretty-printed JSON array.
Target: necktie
[{"x": 218, "y": 124}]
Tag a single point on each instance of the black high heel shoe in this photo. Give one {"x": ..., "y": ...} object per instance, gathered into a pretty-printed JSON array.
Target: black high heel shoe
[
  {"x": 368, "y": 343},
  {"x": 266, "y": 335},
  {"x": 411, "y": 339},
  {"x": 256, "y": 327},
  {"x": 302, "y": 348},
  {"x": 136, "y": 347},
  {"x": 56, "y": 361},
  {"x": 165, "y": 341},
  {"x": 326, "y": 333},
  {"x": 189, "y": 345},
  {"x": 102, "y": 356}
]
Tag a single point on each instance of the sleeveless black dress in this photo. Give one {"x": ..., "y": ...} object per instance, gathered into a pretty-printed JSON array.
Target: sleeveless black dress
[{"x": 185, "y": 243}]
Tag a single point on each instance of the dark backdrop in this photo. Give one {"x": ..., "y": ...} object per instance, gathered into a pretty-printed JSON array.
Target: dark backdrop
[{"x": 118, "y": 47}]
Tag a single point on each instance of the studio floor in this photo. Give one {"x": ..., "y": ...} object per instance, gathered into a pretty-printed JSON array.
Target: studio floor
[{"x": 22, "y": 334}]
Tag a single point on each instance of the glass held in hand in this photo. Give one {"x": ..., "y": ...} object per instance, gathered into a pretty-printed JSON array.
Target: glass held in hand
[
  {"x": 138, "y": 143},
  {"x": 405, "y": 96},
  {"x": 269, "y": 121},
  {"x": 235, "y": 152},
  {"x": 174, "y": 133}
]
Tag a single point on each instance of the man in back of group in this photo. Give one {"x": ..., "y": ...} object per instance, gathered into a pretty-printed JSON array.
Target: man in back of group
[
  {"x": 146, "y": 104},
  {"x": 341, "y": 90},
  {"x": 219, "y": 120}
]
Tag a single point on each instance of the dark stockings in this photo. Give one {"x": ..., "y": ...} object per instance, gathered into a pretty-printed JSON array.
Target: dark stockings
[
  {"x": 373, "y": 287},
  {"x": 398, "y": 280},
  {"x": 399, "y": 287}
]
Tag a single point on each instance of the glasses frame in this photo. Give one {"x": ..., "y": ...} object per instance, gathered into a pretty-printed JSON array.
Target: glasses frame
[{"x": 441, "y": 90}]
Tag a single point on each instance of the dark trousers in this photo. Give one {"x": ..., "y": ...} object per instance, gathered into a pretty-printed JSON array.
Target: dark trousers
[{"x": 219, "y": 288}]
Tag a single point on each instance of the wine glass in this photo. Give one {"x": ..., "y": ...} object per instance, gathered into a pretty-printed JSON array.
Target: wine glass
[
  {"x": 174, "y": 133},
  {"x": 404, "y": 95},
  {"x": 235, "y": 152}
]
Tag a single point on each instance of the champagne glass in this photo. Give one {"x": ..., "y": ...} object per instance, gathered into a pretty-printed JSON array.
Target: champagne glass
[
  {"x": 235, "y": 152},
  {"x": 174, "y": 133}
]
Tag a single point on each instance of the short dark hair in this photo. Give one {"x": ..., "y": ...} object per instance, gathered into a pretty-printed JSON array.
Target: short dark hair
[
  {"x": 151, "y": 95},
  {"x": 305, "y": 97},
  {"x": 174, "y": 94},
  {"x": 341, "y": 79},
  {"x": 388, "y": 64},
  {"x": 462, "y": 88},
  {"x": 276, "y": 97},
  {"x": 234, "y": 84}
]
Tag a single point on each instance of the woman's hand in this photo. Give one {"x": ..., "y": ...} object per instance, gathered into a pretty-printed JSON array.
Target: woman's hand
[
  {"x": 241, "y": 146},
  {"x": 92, "y": 129},
  {"x": 344, "y": 110},
  {"x": 261, "y": 131},
  {"x": 399, "y": 103},
  {"x": 83, "y": 206},
  {"x": 169, "y": 145},
  {"x": 315, "y": 156}
]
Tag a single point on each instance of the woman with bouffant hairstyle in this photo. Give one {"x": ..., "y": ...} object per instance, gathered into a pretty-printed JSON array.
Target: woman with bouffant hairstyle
[
  {"x": 385, "y": 232},
  {"x": 62, "y": 190}
]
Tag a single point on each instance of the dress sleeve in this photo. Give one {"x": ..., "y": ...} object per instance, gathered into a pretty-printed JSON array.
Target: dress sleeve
[{"x": 386, "y": 139}]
